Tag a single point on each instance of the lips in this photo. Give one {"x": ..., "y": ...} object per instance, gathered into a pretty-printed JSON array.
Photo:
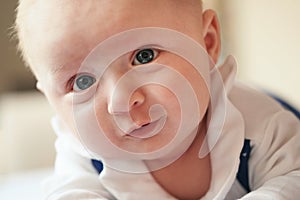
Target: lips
[{"x": 148, "y": 130}]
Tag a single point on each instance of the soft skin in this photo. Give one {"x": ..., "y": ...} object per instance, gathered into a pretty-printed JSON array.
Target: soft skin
[{"x": 60, "y": 34}]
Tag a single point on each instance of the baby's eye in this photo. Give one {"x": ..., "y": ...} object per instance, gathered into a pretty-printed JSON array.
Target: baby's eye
[
  {"x": 83, "y": 82},
  {"x": 144, "y": 56}
]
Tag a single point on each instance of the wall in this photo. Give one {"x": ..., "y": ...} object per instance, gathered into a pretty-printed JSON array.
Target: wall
[
  {"x": 264, "y": 37},
  {"x": 13, "y": 74}
]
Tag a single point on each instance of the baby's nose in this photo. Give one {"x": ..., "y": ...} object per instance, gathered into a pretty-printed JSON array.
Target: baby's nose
[
  {"x": 123, "y": 100},
  {"x": 136, "y": 99}
]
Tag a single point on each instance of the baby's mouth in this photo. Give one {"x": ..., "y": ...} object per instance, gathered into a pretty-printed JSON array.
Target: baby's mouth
[{"x": 148, "y": 130}]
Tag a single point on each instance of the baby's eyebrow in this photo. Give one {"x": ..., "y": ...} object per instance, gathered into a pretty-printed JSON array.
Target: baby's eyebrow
[
  {"x": 58, "y": 70},
  {"x": 63, "y": 71},
  {"x": 65, "y": 68}
]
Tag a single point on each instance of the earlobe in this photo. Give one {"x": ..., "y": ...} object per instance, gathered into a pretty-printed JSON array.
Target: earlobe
[{"x": 211, "y": 34}]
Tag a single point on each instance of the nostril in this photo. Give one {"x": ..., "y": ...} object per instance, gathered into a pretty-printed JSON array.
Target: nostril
[
  {"x": 135, "y": 103},
  {"x": 137, "y": 99}
]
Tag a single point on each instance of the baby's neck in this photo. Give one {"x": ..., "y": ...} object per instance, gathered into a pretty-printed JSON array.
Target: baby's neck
[{"x": 189, "y": 176}]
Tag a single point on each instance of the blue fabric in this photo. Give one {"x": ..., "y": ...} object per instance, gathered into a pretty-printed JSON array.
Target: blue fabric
[
  {"x": 286, "y": 105},
  {"x": 242, "y": 175},
  {"x": 98, "y": 165}
]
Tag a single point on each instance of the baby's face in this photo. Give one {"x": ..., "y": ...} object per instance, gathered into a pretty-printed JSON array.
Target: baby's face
[{"x": 62, "y": 36}]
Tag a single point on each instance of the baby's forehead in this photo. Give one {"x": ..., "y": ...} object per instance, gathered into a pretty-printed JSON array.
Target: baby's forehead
[
  {"x": 47, "y": 11},
  {"x": 71, "y": 8},
  {"x": 57, "y": 16},
  {"x": 66, "y": 25}
]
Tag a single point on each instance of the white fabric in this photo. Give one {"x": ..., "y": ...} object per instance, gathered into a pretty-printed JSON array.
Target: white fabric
[{"x": 274, "y": 165}]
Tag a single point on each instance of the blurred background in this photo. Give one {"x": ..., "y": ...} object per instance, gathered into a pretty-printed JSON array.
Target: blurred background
[
  {"x": 26, "y": 138},
  {"x": 262, "y": 35},
  {"x": 264, "y": 38}
]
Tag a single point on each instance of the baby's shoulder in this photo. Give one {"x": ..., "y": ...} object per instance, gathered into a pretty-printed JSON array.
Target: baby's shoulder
[{"x": 256, "y": 107}]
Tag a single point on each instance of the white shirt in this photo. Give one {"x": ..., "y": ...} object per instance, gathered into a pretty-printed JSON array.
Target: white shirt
[{"x": 274, "y": 164}]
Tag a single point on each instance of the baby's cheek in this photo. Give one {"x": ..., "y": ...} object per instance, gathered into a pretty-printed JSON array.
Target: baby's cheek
[
  {"x": 171, "y": 102},
  {"x": 103, "y": 118},
  {"x": 200, "y": 91},
  {"x": 68, "y": 120},
  {"x": 191, "y": 75}
]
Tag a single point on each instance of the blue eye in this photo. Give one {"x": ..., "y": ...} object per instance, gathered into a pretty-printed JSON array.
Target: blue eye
[
  {"x": 144, "y": 56},
  {"x": 83, "y": 82}
]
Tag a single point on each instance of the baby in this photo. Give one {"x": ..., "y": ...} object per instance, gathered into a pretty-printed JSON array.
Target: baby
[{"x": 134, "y": 87}]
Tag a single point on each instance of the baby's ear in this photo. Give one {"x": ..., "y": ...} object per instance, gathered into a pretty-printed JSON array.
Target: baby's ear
[{"x": 211, "y": 34}]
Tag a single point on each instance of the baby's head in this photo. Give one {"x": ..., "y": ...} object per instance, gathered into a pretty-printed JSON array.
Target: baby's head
[{"x": 57, "y": 37}]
